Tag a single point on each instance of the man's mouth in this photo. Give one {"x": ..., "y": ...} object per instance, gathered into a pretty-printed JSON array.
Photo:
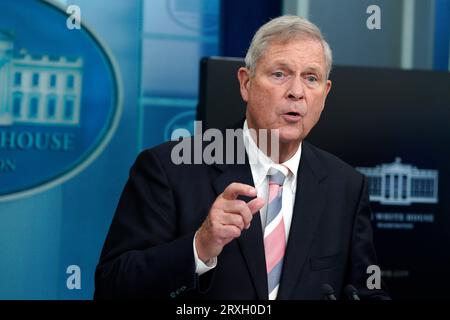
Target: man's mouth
[{"x": 292, "y": 116}]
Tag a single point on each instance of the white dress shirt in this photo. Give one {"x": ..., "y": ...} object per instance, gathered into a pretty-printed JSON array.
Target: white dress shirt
[{"x": 260, "y": 165}]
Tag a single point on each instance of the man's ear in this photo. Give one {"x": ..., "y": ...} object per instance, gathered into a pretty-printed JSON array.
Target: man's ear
[
  {"x": 328, "y": 88},
  {"x": 244, "y": 82}
]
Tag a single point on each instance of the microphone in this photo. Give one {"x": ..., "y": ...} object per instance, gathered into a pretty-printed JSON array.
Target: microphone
[
  {"x": 328, "y": 292},
  {"x": 351, "y": 292}
]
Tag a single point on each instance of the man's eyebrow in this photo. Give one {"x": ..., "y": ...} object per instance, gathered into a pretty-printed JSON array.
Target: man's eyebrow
[
  {"x": 281, "y": 63},
  {"x": 313, "y": 69},
  {"x": 287, "y": 65}
]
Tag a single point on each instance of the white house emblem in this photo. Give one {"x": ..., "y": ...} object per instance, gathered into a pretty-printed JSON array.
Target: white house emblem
[
  {"x": 401, "y": 184},
  {"x": 60, "y": 98}
]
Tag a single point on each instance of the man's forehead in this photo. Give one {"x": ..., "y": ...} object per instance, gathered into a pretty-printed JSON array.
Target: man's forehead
[
  {"x": 309, "y": 45},
  {"x": 312, "y": 62},
  {"x": 306, "y": 41},
  {"x": 289, "y": 63}
]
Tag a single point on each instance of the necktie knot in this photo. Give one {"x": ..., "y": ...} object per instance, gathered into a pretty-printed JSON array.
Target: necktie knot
[{"x": 276, "y": 176}]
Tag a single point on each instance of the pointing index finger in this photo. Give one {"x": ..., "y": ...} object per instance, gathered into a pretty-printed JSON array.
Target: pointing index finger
[{"x": 238, "y": 189}]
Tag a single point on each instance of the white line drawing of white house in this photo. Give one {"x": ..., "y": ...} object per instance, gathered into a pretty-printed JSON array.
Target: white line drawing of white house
[
  {"x": 401, "y": 184},
  {"x": 38, "y": 89}
]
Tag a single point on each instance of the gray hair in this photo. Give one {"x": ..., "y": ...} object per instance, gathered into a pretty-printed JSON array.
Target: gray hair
[{"x": 284, "y": 29}]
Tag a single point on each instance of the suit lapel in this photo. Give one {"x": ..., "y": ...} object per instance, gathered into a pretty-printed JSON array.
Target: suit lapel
[
  {"x": 251, "y": 240},
  {"x": 309, "y": 205}
]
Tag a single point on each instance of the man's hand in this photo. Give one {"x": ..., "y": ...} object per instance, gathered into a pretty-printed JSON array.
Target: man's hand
[{"x": 226, "y": 219}]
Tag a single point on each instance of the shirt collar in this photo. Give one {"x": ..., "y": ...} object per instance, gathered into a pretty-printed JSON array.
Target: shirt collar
[{"x": 261, "y": 163}]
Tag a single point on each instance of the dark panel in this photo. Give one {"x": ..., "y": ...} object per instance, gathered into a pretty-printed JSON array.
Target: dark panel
[
  {"x": 371, "y": 117},
  {"x": 220, "y": 102},
  {"x": 240, "y": 20}
]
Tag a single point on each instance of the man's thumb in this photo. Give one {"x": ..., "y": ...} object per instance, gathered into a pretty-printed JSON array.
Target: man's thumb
[{"x": 256, "y": 204}]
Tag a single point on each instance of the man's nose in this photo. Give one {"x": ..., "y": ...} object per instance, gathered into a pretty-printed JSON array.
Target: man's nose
[{"x": 295, "y": 91}]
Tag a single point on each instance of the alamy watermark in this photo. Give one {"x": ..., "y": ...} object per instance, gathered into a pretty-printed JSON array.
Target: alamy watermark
[
  {"x": 73, "y": 281},
  {"x": 223, "y": 147},
  {"x": 374, "y": 280},
  {"x": 74, "y": 19},
  {"x": 374, "y": 20}
]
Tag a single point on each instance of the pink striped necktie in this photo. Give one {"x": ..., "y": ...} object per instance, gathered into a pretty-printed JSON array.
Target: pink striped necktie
[{"x": 274, "y": 232}]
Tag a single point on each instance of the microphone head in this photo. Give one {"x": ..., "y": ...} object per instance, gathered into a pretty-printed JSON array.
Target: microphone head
[
  {"x": 328, "y": 291},
  {"x": 351, "y": 292}
]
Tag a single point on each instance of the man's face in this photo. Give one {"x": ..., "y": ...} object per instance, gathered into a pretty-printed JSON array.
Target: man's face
[{"x": 288, "y": 89}]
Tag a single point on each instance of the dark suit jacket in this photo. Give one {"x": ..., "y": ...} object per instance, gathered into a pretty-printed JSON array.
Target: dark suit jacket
[{"x": 149, "y": 248}]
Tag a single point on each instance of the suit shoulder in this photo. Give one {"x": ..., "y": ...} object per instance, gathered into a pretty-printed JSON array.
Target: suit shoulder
[
  {"x": 161, "y": 150},
  {"x": 174, "y": 157},
  {"x": 154, "y": 157}
]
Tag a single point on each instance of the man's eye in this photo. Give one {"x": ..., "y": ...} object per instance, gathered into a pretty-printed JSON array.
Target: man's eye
[
  {"x": 311, "y": 79},
  {"x": 278, "y": 74}
]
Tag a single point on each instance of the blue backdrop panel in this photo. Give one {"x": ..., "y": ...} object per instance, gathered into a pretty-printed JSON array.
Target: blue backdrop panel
[{"x": 156, "y": 45}]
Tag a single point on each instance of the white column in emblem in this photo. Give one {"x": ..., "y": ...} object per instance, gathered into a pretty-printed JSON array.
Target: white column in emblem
[
  {"x": 6, "y": 48},
  {"x": 3, "y": 91},
  {"x": 435, "y": 187},
  {"x": 391, "y": 189},
  {"x": 60, "y": 90},
  {"x": 408, "y": 187},
  {"x": 77, "y": 99}
]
